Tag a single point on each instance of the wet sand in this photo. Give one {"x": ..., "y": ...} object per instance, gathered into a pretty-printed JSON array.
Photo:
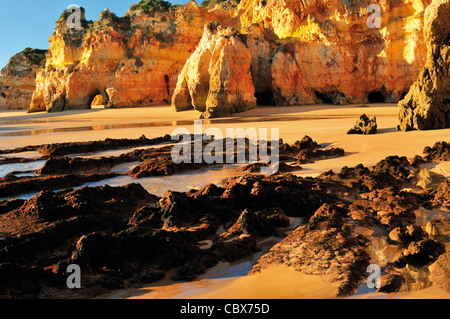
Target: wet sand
[
  {"x": 276, "y": 282},
  {"x": 324, "y": 123}
]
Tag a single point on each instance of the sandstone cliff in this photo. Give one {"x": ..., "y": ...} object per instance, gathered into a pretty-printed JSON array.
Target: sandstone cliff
[
  {"x": 131, "y": 61},
  {"x": 427, "y": 105},
  {"x": 17, "y": 80},
  {"x": 321, "y": 52},
  {"x": 301, "y": 52},
  {"x": 216, "y": 79}
]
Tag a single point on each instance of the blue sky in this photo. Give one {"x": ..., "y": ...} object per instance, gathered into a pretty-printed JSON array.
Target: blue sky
[{"x": 29, "y": 23}]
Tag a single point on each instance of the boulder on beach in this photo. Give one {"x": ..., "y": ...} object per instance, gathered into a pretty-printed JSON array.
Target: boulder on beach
[
  {"x": 440, "y": 151},
  {"x": 364, "y": 125}
]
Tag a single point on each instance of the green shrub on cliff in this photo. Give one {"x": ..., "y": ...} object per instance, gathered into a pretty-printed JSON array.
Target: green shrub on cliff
[
  {"x": 35, "y": 56},
  {"x": 29, "y": 50},
  {"x": 109, "y": 19},
  {"x": 213, "y": 25},
  {"x": 153, "y": 5}
]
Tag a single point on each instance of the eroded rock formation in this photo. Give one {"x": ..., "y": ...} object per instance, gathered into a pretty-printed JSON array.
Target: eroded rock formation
[
  {"x": 131, "y": 61},
  {"x": 216, "y": 79},
  {"x": 17, "y": 80},
  {"x": 326, "y": 53},
  {"x": 364, "y": 125},
  {"x": 299, "y": 53},
  {"x": 427, "y": 105}
]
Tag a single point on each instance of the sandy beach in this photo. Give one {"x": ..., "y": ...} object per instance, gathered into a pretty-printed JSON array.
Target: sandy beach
[
  {"x": 225, "y": 281},
  {"x": 324, "y": 123},
  {"x": 277, "y": 282}
]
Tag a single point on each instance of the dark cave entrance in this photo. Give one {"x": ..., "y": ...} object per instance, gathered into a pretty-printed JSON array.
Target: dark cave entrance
[
  {"x": 403, "y": 95},
  {"x": 324, "y": 97},
  {"x": 376, "y": 97},
  {"x": 264, "y": 98}
]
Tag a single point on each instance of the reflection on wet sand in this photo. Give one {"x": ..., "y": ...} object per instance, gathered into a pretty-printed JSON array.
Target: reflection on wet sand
[{"x": 232, "y": 120}]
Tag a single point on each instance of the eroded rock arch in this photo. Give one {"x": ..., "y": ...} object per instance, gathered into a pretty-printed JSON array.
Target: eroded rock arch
[{"x": 96, "y": 92}]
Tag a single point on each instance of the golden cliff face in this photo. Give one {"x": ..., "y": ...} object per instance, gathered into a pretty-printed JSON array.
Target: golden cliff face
[
  {"x": 301, "y": 52},
  {"x": 17, "y": 81},
  {"x": 130, "y": 61},
  {"x": 216, "y": 79},
  {"x": 328, "y": 53}
]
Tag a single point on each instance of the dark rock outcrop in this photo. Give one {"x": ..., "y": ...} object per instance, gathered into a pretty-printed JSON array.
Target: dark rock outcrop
[
  {"x": 124, "y": 236},
  {"x": 364, "y": 125},
  {"x": 326, "y": 245},
  {"x": 419, "y": 254},
  {"x": 440, "y": 151},
  {"x": 407, "y": 234},
  {"x": 442, "y": 195},
  {"x": 391, "y": 282},
  {"x": 261, "y": 223}
]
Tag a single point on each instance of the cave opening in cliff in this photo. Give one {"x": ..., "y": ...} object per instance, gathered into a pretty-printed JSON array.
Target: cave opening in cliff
[
  {"x": 97, "y": 100},
  {"x": 376, "y": 97},
  {"x": 324, "y": 97},
  {"x": 264, "y": 98}
]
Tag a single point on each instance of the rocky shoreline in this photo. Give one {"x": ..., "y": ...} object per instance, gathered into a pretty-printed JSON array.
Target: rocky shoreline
[{"x": 125, "y": 237}]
